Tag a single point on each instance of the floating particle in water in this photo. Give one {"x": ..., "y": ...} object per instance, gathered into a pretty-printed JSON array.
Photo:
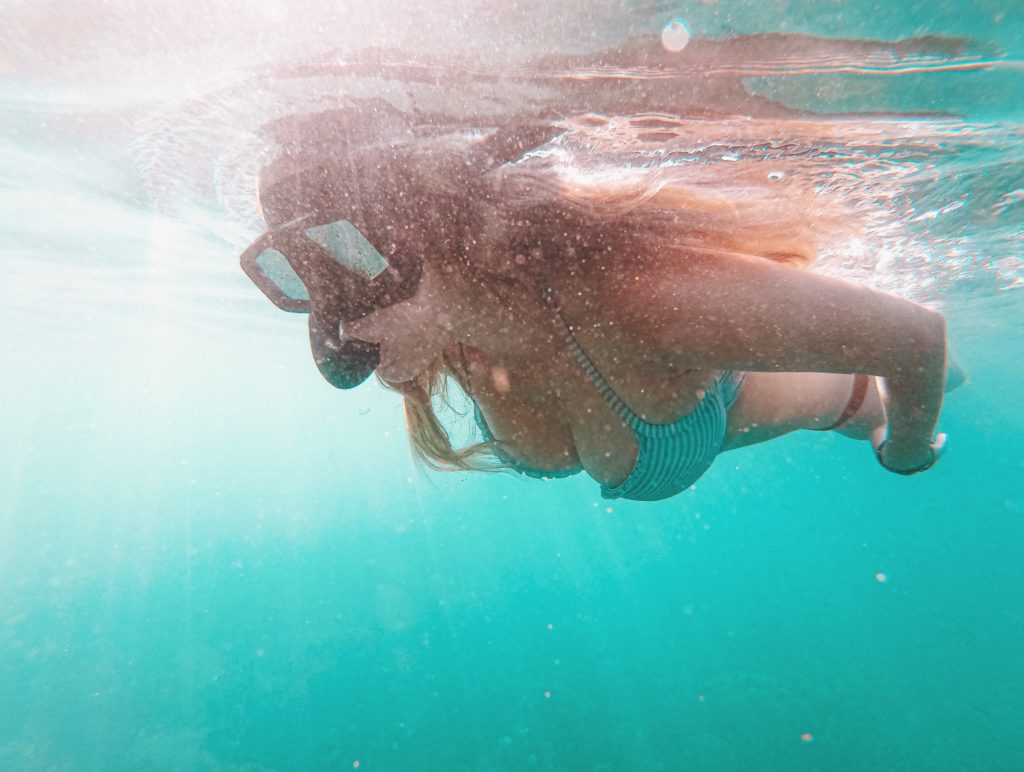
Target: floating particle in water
[
  {"x": 547, "y": 695},
  {"x": 499, "y": 376},
  {"x": 880, "y": 577},
  {"x": 550, "y": 626},
  {"x": 675, "y": 36},
  {"x": 807, "y": 737},
  {"x": 355, "y": 764}
]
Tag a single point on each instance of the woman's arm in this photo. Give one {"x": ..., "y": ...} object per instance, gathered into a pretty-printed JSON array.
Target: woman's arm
[{"x": 738, "y": 312}]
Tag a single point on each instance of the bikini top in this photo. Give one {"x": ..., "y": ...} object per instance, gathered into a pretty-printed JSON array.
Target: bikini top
[{"x": 670, "y": 457}]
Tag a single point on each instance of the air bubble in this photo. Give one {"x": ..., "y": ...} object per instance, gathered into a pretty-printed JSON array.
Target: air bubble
[{"x": 675, "y": 36}]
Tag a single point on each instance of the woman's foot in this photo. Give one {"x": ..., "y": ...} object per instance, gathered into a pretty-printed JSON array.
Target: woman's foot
[{"x": 956, "y": 375}]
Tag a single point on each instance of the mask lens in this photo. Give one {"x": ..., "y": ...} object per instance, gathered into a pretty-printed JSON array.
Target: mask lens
[
  {"x": 349, "y": 248},
  {"x": 275, "y": 267},
  {"x": 331, "y": 267},
  {"x": 271, "y": 271}
]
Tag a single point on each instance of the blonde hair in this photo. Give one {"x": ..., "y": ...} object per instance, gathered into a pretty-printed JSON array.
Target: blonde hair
[
  {"x": 430, "y": 441},
  {"x": 557, "y": 214}
]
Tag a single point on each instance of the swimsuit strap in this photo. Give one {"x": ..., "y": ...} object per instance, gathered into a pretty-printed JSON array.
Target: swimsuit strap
[
  {"x": 620, "y": 408},
  {"x": 857, "y": 394},
  {"x": 669, "y": 457}
]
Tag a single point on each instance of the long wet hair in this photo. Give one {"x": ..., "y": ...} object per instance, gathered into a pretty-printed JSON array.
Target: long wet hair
[{"x": 545, "y": 214}]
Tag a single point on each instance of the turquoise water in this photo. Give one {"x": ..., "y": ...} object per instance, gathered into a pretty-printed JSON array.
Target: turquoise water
[{"x": 211, "y": 560}]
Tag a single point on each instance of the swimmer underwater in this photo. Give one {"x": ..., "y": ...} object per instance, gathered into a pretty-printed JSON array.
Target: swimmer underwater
[{"x": 632, "y": 323}]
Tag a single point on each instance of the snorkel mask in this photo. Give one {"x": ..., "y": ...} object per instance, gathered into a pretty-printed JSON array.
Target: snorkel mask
[
  {"x": 331, "y": 272},
  {"x": 315, "y": 257},
  {"x": 349, "y": 218}
]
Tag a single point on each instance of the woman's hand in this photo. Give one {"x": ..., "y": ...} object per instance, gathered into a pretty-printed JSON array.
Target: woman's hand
[{"x": 906, "y": 460}]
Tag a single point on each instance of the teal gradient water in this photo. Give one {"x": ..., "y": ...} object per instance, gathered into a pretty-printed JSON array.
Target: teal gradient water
[{"x": 211, "y": 560}]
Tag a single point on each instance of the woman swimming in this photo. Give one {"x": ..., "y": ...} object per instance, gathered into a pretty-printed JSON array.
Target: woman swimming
[{"x": 632, "y": 322}]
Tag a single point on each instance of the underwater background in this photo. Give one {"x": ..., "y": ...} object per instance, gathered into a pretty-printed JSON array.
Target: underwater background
[{"x": 212, "y": 560}]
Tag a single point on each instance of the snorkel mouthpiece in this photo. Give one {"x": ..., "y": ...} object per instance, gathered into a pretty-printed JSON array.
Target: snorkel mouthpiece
[
  {"x": 343, "y": 364},
  {"x": 353, "y": 363}
]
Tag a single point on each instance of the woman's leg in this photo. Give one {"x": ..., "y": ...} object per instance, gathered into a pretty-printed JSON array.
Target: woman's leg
[{"x": 773, "y": 404}]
